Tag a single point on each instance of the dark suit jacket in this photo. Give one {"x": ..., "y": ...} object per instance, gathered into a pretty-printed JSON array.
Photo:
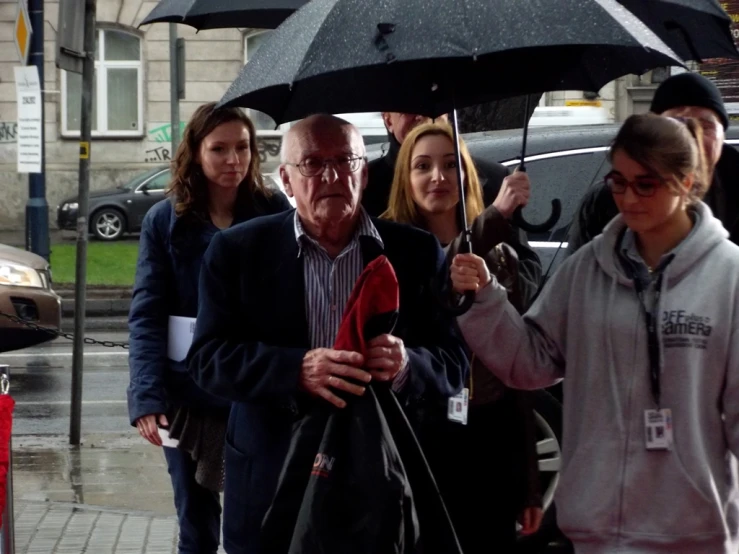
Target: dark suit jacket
[{"x": 252, "y": 334}]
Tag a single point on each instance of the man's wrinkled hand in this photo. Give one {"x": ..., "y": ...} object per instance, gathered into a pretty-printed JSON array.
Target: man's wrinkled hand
[
  {"x": 325, "y": 370},
  {"x": 514, "y": 192},
  {"x": 386, "y": 357}
]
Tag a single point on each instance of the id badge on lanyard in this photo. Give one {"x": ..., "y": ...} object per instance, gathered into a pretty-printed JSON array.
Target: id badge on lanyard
[{"x": 658, "y": 429}]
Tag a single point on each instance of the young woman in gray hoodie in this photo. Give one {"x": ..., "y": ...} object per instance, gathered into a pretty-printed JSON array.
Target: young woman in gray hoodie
[{"x": 642, "y": 326}]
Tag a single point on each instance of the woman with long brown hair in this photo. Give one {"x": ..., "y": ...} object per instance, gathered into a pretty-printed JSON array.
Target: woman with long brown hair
[
  {"x": 494, "y": 478},
  {"x": 642, "y": 326},
  {"x": 216, "y": 183}
]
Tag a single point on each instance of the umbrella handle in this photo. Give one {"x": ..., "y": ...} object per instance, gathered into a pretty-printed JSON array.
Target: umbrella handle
[
  {"x": 518, "y": 219},
  {"x": 521, "y": 223},
  {"x": 454, "y": 307},
  {"x": 469, "y": 297}
]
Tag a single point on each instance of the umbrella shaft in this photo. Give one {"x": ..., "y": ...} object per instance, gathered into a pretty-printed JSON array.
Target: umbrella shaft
[{"x": 460, "y": 185}]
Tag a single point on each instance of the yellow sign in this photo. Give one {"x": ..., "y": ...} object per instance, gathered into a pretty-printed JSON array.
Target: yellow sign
[
  {"x": 22, "y": 32},
  {"x": 84, "y": 150},
  {"x": 577, "y": 103}
]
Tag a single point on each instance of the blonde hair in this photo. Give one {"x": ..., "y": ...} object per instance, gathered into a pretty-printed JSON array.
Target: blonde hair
[{"x": 401, "y": 206}]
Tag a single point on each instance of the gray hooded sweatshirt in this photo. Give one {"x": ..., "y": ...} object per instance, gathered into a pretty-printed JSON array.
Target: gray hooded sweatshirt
[{"x": 588, "y": 328}]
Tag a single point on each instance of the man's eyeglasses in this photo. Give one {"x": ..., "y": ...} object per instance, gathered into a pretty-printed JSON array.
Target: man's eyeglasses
[
  {"x": 642, "y": 186},
  {"x": 310, "y": 167}
]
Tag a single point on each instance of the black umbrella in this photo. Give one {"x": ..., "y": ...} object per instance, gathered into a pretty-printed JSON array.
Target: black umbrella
[
  {"x": 432, "y": 56},
  {"x": 429, "y": 56},
  {"x": 694, "y": 29},
  {"x": 216, "y": 14}
]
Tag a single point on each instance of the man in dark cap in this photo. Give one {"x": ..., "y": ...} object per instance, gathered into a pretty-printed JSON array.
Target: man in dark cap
[{"x": 682, "y": 95}]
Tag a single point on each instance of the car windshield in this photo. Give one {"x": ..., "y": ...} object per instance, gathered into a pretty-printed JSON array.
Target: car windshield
[{"x": 136, "y": 181}]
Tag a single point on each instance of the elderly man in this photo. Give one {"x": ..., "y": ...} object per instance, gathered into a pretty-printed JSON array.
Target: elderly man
[
  {"x": 272, "y": 293},
  {"x": 682, "y": 95}
]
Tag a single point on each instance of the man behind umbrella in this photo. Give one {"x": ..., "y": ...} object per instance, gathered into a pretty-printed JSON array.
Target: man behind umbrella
[
  {"x": 272, "y": 295},
  {"x": 682, "y": 95}
]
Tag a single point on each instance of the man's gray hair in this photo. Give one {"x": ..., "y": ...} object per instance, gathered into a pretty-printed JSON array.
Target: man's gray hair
[{"x": 322, "y": 117}]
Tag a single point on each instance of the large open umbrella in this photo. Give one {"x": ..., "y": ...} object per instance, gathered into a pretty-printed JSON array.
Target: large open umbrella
[
  {"x": 694, "y": 29},
  {"x": 218, "y": 14},
  {"x": 432, "y": 56}
]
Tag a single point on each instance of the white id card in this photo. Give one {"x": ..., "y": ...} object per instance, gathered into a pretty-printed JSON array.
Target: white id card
[
  {"x": 166, "y": 440},
  {"x": 658, "y": 429},
  {"x": 179, "y": 337},
  {"x": 458, "y": 406}
]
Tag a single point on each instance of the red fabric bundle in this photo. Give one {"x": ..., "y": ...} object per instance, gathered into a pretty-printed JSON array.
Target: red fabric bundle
[
  {"x": 6, "y": 424},
  {"x": 372, "y": 307}
]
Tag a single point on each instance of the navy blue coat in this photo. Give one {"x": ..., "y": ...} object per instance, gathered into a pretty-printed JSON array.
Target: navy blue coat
[
  {"x": 171, "y": 252},
  {"x": 252, "y": 334}
]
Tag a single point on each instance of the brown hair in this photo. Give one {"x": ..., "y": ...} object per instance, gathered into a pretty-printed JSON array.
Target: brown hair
[
  {"x": 667, "y": 147},
  {"x": 401, "y": 207},
  {"x": 188, "y": 185}
]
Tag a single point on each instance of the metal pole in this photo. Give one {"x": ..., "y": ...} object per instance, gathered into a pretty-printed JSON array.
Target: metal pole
[
  {"x": 174, "y": 97},
  {"x": 37, "y": 209},
  {"x": 82, "y": 223},
  {"x": 7, "y": 533}
]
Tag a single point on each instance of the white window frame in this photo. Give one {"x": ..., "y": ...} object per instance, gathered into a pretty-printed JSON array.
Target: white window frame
[
  {"x": 261, "y": 132},
  {"x": 101, "y": 86}
]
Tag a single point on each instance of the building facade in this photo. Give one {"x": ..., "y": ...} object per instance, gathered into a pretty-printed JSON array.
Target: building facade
[{"x": 131, "y": 119}]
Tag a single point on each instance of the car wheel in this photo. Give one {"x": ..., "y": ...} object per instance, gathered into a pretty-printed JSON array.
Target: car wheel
[
  {"x": 108, "y": 224},
  {"x": 548, "y": 417}
]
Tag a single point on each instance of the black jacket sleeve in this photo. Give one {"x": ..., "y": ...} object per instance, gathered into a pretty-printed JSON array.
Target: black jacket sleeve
[
  {"x": 596, "y": 210},
  {"x": 220, "y": 360},
  {"x": 529, "y": 264}
]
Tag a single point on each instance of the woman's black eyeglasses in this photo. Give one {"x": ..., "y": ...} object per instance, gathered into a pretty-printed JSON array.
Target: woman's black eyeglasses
[{"x": 642, "y": 186}]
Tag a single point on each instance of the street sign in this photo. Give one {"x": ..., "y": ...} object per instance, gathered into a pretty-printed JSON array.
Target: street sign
[
  {"x": 70, "y": 48},
  {"x": 28, "y": 95},
  {"x": 22, "y": 32}
]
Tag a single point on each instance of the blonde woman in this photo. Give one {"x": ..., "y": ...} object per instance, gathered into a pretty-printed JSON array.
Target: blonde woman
[{"x": 494, "y": 479}]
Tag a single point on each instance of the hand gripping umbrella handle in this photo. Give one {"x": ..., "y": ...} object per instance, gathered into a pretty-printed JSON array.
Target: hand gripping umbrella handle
[{"x": 469, "y": 297}]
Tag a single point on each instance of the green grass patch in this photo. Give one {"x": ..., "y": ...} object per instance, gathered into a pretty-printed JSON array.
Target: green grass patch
[{"x": 111, "y": 263}]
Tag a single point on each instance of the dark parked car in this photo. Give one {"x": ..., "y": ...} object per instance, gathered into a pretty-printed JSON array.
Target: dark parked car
[
  {"x": 26, "y": 293},
  {"x": 119, "y": 210}
]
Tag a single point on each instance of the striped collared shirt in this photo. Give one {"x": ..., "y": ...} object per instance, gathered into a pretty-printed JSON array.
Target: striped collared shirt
[{"x": 329, "y": 282}]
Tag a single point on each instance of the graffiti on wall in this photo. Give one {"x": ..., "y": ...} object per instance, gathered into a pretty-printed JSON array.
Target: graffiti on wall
[
  {"x": 157, "y": 155},
  {"x": 163, "y": 133},
  {"x": 8, "y": 131},
  {"x": 269, "y": 148}
]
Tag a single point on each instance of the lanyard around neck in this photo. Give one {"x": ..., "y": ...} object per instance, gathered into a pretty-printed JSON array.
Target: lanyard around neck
[{"x": 652, "y": 317}]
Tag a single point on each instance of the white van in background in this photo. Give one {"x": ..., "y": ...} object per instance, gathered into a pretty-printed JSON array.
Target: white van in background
[{"x": 548, "y": 116}]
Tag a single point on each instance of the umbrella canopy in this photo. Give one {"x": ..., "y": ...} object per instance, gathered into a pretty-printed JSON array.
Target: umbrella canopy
[
  {"x": 429, "y": 56},
  {"x": 694, "y": 29},
  {"x": 218, "y": 14}
]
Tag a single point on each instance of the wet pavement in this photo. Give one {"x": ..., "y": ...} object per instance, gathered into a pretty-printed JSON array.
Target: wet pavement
[{"x": 110, "y": 495}]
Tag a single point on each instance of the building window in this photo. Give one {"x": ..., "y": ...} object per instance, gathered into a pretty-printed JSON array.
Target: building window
[{"x": 117, "y": 101}]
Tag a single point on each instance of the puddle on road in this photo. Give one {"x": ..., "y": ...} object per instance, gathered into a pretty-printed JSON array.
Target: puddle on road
[{"x": 115, "y": 472}]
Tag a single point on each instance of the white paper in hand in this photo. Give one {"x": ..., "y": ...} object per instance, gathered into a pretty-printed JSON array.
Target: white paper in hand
[
  {"x": 166, "y": 441},
  {"x": 179, "y": 337}
]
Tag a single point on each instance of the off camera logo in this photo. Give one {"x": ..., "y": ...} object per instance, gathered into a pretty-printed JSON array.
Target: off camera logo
[{"x": 322, "y": 465}]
